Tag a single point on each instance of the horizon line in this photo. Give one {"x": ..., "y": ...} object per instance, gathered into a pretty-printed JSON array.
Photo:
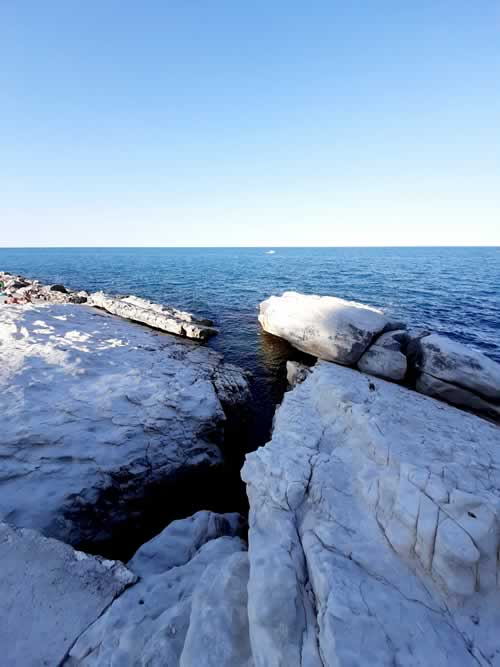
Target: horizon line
[{"x": 236, "y": 247}]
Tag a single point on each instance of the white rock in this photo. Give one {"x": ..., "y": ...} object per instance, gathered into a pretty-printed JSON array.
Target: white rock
[
  {"x": 460, "y": 365},
  {"x": 323, "y": 326},
  {"x": 296, "y": 372},
  {"x": 96, "y": 413},
  {"x": 49, "y": 594},
  {"x": 360, "y": 546},
  {"x": 188, "y": 608},
  {"x": 383, "y": 362},
  {"x": 160, "y": 317}
]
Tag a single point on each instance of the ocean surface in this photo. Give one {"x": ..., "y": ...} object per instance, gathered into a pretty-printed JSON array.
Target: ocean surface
[{"x": 454, "y": 291}]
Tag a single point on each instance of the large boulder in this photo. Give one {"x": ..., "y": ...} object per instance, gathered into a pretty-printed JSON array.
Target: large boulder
[
  {"x": 154, "y": 315},
  {"x": 49, "y": 595},
  {"x": 457, "y": 373},
  {"x": 385, "y": 358},
  {"x": 189, "y": 607},
  {"x": 101, "y": 420},
  {"x": 374, "y": 529},
  {"x": 323, "y": 326}
]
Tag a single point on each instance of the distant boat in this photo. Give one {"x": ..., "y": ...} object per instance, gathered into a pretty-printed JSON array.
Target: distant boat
[{"x": 270, "y": 252}]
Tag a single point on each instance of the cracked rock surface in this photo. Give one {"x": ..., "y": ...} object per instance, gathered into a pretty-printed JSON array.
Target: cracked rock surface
[
  {"x": 154, "y": 315},
  {"x": 96, "y": 412},
  {"x": 188, "y": 607},
  {"x": 374, "y": 529}
]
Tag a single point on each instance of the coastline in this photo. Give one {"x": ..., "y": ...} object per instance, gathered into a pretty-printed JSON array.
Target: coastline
[{"x": 366, "y": 486}]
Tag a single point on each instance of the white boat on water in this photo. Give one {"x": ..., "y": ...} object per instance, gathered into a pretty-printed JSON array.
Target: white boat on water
[{"x": 270, "y": 252}]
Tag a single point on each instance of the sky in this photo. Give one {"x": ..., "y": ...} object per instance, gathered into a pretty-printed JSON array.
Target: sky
[{"x": 227, "y": 123}]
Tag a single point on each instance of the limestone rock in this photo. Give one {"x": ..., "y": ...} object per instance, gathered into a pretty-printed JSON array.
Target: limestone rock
[
  {"x": 160, "y": 317},
  {"x": 462, "y": 398},
  {"x": 460, "y": 365},
  {"x": 188, "y": 608},
  {"x": 296, "y": 372},
  {"x": 323, "y": 326},
  {"x": 49, "y": 594},
  {"x": 374, "y": 529},
  {"x": 98, "y": 415},
  {"x": 385, "y": 358}
]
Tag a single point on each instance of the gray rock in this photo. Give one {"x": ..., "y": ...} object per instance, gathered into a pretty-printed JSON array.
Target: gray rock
[
  {"x": 98, "y": 414},
  {"x": 160, "y": 317},
  {"x": 460, "y": 365},
  {"x": 58, "y": 288},
  {"x": 324, "y": 326},
  {"x": 462, "y": 398},
  {"x": 49, "y": 595},
  {"x": 385, "y": 357}
]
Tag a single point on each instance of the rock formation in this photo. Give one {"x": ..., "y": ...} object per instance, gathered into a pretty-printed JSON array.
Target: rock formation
[
  {"x": 323, "y": 326},
  {"x": 170, "y": 320},
  {"x": 374, "y": 529},
  {"x": 98, "y": 415},
  {"x": 189, "y": 607},
  {"x": 156, "y": 316},
  {"x": 356, "y": 335}
]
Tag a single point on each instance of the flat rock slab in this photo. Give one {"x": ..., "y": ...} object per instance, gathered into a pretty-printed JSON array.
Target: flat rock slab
[
  {"x": 154, "y": 315},
  {"x": 96, "y": 412},
  {"x": 50, "y": 594},
  {"x": 374, "y": 529},
  {"x": 323, "y": 326}
]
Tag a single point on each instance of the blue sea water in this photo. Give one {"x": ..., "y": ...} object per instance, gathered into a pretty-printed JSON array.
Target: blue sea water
[{"x": 454, "y": 291}]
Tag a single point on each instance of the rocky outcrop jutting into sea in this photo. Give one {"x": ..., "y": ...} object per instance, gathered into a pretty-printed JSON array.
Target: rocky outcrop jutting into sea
[
  {"x": 98, "y": 415},
  {"x": 170, "y": 320},
  {"x": 353, "y": 334}
]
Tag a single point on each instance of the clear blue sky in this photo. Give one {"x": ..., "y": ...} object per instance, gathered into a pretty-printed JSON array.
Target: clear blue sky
[{"x": 279, "y": 122}]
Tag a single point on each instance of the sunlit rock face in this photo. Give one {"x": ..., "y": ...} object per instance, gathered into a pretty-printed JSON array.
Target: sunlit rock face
[
  {"x": 96, "y": 414},
  {"x": 374, "y": 529},
  {"x": 353, "y": 334},
  {"x": 323, "y": 326},
  {"x": 188, "y": 608},
  {"x": 154, "y": 315}
]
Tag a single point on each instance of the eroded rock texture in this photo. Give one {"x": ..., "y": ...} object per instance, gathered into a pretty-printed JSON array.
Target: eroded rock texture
[
  {"x": 374, "y": 529},
  {"x": 324, "y": 326},
  {"x": 97, "y": 415},
  {"x": 188, "y": 608},
  {"x": 154, "y": 315}
]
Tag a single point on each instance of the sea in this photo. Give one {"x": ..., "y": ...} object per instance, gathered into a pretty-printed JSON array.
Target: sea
[{"x": 453, "y": 291}]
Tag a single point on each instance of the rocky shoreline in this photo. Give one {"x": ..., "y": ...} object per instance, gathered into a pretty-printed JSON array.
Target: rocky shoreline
[{"x": 374, "y": 524}]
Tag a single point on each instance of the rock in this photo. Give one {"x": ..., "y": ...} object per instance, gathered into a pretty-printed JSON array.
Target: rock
[
  {"x": 385, "y": 358},
  {"x": 460, "y": 365},
  {"x": 156, "y": 316},
  {"x": 323, "y": 326},
  {"x": 296, "y": 372},
  {"x": 99, "y": 416},
  {"x": 58, "y": 288},
  {"x": 49, "y": 595},
  {"x": 188, "y": 608},
  {"x": 462, "y": 398},
  {"x": 374, "y": 529}
]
